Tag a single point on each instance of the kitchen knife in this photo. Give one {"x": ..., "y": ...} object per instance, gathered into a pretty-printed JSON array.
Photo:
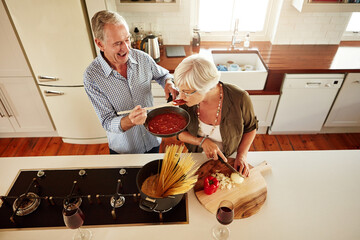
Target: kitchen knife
[{"x": 229, "y": 166}]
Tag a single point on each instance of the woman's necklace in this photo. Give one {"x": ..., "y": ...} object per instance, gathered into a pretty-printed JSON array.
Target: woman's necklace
[{"x": 217, "y": 112}]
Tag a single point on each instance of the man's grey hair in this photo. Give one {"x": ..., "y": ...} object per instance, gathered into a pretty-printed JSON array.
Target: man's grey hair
[{"x": 101, "y": 18}]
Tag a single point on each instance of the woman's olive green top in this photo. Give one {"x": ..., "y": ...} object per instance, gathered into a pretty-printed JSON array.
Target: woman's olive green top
[{"x": 237, "y": 118}]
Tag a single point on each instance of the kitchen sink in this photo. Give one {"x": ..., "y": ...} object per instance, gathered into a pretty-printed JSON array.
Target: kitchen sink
[{"x": 244, "y": 68}]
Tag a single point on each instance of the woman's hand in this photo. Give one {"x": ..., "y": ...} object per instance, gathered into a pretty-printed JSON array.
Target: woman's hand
[
  {"x": 241, "y": 165},
  {"x": 212, "y": 150},
  {"x": 170, "y": 88}
]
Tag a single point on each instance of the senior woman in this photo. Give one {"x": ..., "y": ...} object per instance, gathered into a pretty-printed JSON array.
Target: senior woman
[{"x": 222, "y": 119}]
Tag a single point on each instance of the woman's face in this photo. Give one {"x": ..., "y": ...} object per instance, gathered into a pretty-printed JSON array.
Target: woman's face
[{"x": 191, "y": 96}]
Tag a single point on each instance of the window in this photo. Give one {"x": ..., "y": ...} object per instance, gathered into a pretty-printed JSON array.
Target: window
[
  {"x": 217, "y": 17},
  {"x": 352, "y": 32},
  {"x": 354, "y": 25}
]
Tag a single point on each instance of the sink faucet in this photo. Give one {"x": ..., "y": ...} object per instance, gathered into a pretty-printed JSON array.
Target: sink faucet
[{"x": 235, "y": 33}]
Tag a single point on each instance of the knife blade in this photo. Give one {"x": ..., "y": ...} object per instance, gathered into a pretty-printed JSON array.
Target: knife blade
[{"x": 230, "y": 167}]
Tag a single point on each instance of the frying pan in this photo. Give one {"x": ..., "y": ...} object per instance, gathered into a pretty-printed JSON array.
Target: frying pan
[{"x": 163, "y": 110}]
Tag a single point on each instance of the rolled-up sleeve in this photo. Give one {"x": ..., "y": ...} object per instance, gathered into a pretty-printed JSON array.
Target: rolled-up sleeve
[{"x": 250, "y": 120}]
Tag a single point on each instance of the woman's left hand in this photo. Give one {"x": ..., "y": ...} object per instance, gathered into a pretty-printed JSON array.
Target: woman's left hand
[
  {"x": 241, "y": 165},
  {"x": 170, "y": 88},
  {"x": 212, "y": 150}
]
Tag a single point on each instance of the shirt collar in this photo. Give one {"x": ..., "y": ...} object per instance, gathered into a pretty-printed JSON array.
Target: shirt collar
[{"x": 107, "y": 68}]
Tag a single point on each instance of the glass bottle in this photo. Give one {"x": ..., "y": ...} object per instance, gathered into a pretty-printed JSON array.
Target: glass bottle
[{"x": 196, "y": 37}]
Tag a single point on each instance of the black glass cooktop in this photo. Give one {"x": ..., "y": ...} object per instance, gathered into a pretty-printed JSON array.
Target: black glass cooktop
[{"x": 95, "y": 187}]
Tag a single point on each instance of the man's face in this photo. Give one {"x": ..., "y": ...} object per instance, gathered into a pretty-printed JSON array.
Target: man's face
[{"x": 116, "y": 44}]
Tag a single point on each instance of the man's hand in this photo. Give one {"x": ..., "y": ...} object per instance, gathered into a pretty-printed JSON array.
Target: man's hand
[
  {"x": 137, "y": 117},
  {"x": 170, "y": 88}
]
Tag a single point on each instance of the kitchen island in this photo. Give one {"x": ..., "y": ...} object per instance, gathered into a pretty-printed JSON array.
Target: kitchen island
[{"x": 311, "y": 195}]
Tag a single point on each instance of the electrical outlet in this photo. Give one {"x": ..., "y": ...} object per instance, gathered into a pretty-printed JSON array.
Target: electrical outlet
[{"x": 140, "y": 26}]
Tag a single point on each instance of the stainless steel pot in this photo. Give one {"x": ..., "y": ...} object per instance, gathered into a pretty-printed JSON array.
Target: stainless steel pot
[{"x": 151, "y": 204}]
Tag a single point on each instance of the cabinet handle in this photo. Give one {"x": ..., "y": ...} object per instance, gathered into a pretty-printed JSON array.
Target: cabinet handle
[
  {"x": 47, "y": 78},
  {"x": 1, "y": 109},
  {"x": 356, "y": 82},
  {"x": 53, "y": 93},
  {"x": 5, "y": 105}
]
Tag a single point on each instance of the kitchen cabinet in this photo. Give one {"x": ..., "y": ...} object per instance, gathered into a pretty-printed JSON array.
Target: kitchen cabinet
[
  {"x": 346, "y": 109},
  {"x": 325, "y": 6},
  {"x": 22, "y": 106},
  {"x": 56, "y": 39},
  {"x": 72, "y": 101},
  {"x": 264, "y": 107},
  {"x": 22, "y": 110},
  {"x": 158, "y": 93},
  {"x": 148, "y": 6}
]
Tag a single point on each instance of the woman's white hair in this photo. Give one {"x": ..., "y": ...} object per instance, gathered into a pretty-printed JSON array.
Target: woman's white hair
[
  {"x": 103, "y": 17},
  {"x": 198, "y": 73}
]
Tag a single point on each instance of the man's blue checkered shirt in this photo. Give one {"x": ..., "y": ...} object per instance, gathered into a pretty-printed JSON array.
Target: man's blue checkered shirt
[{"x": 110, "y": 92}]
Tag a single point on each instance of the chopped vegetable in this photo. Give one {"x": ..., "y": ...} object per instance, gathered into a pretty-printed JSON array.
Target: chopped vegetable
[
  {"x": 224, "y": 181},
  {"x": 211, "y": 184},
  {"x": 236, "y": 178}
]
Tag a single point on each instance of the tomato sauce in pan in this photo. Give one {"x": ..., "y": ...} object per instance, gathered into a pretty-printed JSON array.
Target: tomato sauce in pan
[{"x": 166, "y": 123}]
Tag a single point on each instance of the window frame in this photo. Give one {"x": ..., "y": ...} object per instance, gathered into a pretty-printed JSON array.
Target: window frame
[{"x": 263, "y": 35}]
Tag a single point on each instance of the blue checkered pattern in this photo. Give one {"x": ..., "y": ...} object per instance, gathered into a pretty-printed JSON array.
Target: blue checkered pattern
[{"x": 110, "y": 92}]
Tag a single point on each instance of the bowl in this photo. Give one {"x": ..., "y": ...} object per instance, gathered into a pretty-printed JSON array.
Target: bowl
[{"x": 162, "y": 110}]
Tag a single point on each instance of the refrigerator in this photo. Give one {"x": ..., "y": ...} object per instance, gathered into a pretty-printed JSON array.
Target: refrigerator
[{"x": 57, "y": 41}]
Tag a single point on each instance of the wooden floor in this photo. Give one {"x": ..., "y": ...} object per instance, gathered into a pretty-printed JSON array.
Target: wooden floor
[{"x": 51, "y": 146}]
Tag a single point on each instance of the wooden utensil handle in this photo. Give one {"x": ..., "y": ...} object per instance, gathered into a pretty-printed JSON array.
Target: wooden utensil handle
[{"x": 147, "y": 108}]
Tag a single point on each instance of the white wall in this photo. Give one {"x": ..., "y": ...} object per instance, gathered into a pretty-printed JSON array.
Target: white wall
[
  {"x": 176, "y": 27},
  {"x": 288, "y": 26},
  {"x": 308, "y": 28}
]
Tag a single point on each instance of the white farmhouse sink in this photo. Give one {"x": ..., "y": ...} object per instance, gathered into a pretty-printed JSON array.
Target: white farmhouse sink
[{"x": 246, "y": 79}]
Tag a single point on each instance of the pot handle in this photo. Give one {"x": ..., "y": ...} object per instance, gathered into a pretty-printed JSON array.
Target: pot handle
[{"x": 147, "y": 205}]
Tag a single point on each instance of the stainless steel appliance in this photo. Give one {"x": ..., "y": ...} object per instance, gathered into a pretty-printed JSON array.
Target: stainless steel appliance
[
  {"x": 109, "y": 197},
  {"x": 150, "y": 44}
]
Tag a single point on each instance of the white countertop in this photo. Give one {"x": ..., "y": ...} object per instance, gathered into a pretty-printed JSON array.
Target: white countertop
[{"x": 311, "y": 195}]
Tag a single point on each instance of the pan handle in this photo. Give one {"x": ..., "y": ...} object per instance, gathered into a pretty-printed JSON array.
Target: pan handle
[{"x": 147, "y": 205}]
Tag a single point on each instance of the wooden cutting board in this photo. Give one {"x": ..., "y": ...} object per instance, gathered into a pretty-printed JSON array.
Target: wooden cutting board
[{"x": 247, "y": 197}]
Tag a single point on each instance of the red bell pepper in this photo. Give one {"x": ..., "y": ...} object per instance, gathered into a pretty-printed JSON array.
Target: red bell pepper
[{"x": 211, "y": 184}]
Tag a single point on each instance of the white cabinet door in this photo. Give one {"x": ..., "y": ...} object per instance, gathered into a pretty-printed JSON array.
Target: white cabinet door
[
  {"x": 346, "y": 109},
  {"x": 55, "y": 38},
  {"x": 70, "y": 110},
  {"x": 158, "y": 93},
  {"x": 12, "y": 61},
  {"x": 264, "y": 107},
  {"x": 24, "y": 106}
]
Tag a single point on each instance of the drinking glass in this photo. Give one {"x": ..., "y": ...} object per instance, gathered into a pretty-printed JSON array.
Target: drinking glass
[
  {"x": 74, "y": 218},
  {"x": 224, "y": 215}
]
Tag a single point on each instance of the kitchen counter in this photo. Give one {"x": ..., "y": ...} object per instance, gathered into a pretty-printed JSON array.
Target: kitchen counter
[
  {"x": 281, "y": 59},
  {"x": 311, "y": 195}
]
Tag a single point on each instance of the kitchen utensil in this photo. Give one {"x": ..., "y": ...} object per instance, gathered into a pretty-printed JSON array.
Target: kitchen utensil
[
  {"x": 247, "y": 197},
  {"x": 172, "y": 103},
  {"x": 151, "y": 204},
  {"x": 167, "y": 109},
  {"x": 152, "y": 47},
  {"x": 229, "y": 166}
]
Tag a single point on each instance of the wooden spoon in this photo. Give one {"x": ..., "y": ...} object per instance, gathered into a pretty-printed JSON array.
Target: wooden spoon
[{"x": 176, "y": 102}]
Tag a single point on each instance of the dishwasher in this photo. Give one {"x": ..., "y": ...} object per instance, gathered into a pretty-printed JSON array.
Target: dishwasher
[{"x": 305, "y": 102}]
